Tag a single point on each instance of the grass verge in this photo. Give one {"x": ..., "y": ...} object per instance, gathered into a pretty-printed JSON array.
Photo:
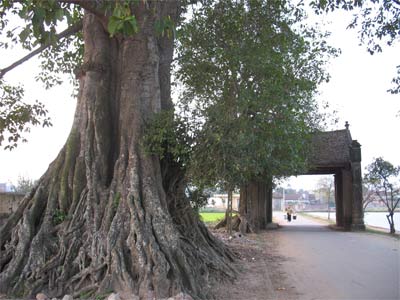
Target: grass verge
[
  {"x": 317, "y": 218},
  {"x": 368, "y": 229},
  {"x": 212, "y": 217},
  {"x": 381, "y": 231}
]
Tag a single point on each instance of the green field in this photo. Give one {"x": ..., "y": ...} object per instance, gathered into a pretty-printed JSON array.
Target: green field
[{"x": 212, "y": 217}]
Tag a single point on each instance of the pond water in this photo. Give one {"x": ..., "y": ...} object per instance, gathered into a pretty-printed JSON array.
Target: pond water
[{"x": 377, "y": 219}]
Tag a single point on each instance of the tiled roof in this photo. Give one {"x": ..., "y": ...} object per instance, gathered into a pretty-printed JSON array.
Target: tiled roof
[{"x": 330, "y": 148}]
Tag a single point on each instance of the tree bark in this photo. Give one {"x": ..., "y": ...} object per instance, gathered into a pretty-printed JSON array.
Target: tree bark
[
  {"x": 106, "y": 216},
  {"x": 391, "y": 222},
  {"x": 253, "y": 205},
  {"x": 255, "y": 209},
  {"x": 229, "y": 211}
]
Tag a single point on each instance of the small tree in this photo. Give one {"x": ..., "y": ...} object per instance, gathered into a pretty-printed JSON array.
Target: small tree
[
  {"x": 24, "y": 185},
  {"x": 325, "y": 188},
  {"x": 384, "y": 178}
]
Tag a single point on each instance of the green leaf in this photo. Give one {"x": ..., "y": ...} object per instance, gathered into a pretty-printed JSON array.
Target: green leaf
[
  {"x": 38, "y": 15},
  {"x": 59, "y": 14},
  {"x": 24, "y": 34},
  {"x": 125, "y": 25},
  {"x": 165, "y": 26},
  {"x": 159, "y": 27},
  {"x": 24, "y": 13},
  {"x": 114, "y": 25},
  {"x": 130, "y": 26}
]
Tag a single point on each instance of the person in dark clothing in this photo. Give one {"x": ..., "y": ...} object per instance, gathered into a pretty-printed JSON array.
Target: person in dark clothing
[{"x": 289, "y": 213}]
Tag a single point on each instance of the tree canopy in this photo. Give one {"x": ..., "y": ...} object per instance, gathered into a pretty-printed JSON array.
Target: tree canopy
[
  {"x": 50, "y": 29},
  {"x": 250, "y": 71},
  {"x": 383, "y": 178}
]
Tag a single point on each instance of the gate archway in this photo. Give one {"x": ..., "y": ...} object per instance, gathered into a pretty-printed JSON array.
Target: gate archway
[{"x": 332, "y": 152}]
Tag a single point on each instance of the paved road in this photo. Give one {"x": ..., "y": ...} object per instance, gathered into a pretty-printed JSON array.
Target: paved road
[{"x": 326, "y": 264}]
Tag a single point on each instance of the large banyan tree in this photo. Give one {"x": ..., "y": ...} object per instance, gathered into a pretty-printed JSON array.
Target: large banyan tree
[{"x": 106, "y": 215}]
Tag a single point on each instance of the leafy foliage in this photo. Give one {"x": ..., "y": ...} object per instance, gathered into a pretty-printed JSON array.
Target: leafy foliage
[
  {"x": 250, "y": 70},
  {"x": 381, "y": 173},
  {"x": 384, "y": 178},
  {"x": 165, "y": 27},
  {"x": 40, "y": 20},
  {"x": 167, "y": 135},
  {"x": 197, "y": 196},
  {"x": 59, "y": 217},
  {"x": 38, "y": 24},
  {"x": 122, "y": 20},
  {"x": 16, "y": 117}
]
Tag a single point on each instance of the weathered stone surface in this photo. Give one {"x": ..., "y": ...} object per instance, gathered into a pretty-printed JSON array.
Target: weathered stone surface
[
  {"x": 68, "y": 297},
  {"x": 41, "y": 296},
  {"x": 9, "y": 202}
]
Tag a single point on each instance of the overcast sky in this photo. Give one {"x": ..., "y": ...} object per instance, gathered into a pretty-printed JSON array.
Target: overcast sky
[{"x": 357, "y": 91}]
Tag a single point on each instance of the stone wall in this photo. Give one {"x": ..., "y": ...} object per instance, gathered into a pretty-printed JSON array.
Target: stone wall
[{"x": 9, "y": 202}]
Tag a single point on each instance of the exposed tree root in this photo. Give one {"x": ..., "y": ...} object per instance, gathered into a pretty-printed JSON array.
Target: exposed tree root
[
  {"x": 106, "y": 240},
  {"x": 239, "y": 223}
]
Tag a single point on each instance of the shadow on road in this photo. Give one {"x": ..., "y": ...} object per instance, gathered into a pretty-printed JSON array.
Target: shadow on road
[{"x": 304, "y": 228}]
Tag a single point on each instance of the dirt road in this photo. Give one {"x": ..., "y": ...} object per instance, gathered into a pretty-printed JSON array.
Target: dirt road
[{"x": 306, "y": 260}]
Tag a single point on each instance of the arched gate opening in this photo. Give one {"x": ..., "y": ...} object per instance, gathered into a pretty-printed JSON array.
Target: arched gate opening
[{"x": 333, "y": 152}]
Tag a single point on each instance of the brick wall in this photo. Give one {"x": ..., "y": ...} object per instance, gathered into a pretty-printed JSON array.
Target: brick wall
[{"x": 9, "y": 202}]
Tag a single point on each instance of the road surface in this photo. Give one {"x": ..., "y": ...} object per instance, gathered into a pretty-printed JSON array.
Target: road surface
[{"x": 324, "y": 264}]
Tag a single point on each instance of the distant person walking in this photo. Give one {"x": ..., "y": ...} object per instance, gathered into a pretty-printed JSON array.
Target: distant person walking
[{"x": 289, "y": 212}]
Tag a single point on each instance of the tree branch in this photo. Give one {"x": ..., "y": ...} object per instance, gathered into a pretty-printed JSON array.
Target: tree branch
[
  {"x": 397, "y": 203},
  {"x": 366, "y": 203},
  {"x": 384, "y": 200},
  {"x": 69, "y": 31}
]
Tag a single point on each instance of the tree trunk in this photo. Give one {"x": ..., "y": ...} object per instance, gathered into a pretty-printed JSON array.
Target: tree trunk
[
  {"x": 106, "y": 216},
  {"x": 391, "y": 222},
  {"x": 229, "y": 211},
  {"x": 254, "y": 206}
]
